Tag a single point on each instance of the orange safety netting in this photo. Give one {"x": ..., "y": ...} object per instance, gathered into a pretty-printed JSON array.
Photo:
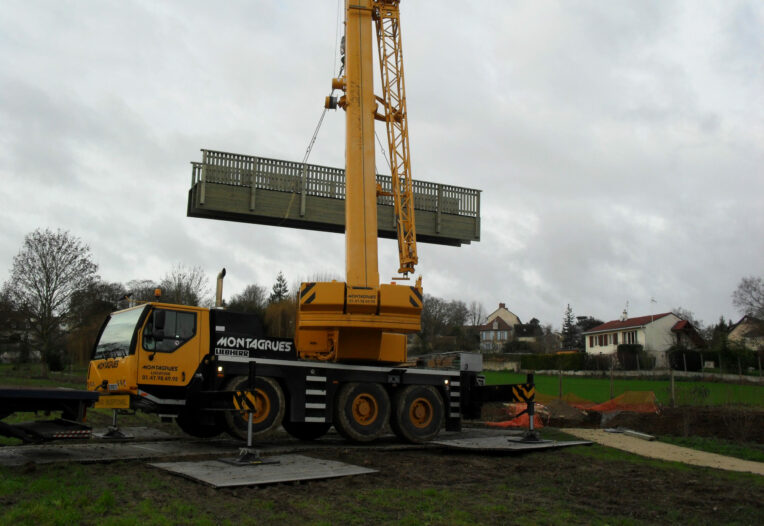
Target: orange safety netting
[
  {"x": 634, "y": 401},
  {"x": 569, "y": 398},
  {"x": 522, "y": 420}
]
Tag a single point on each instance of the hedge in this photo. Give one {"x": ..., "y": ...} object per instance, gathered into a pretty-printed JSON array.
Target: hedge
[{"x": 565, "y": 362}]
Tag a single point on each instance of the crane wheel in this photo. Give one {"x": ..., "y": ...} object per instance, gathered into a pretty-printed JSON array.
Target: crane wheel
[
  {"x": 265, "y": 401},
  {"x": 189, "y": 423},
  {"x": 361, "y": 411},
  {"x": 418, "y": 413},
  {"x": 306, "y": 430}
]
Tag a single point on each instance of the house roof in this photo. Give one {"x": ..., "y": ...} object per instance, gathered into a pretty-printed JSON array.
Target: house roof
[
  {"x": 629, "y": 323},
  {"x": 502, "y": 325},
  {"x": 749, "y": 327},
  {"x": 688, "y": 328}
]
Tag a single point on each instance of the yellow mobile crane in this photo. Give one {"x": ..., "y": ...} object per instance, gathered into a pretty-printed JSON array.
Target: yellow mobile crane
[{"x": 211, "y": 369}]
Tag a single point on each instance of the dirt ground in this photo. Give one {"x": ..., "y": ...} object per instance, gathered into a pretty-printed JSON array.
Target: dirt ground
[
  {"x": 525, "y": 484},
  {"x": 579, "y": 485}
]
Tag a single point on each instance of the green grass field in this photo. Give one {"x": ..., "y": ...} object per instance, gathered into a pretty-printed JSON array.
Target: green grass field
[
  {"x": 598, "y": 389},
  {"x": 745, "y": 451}
]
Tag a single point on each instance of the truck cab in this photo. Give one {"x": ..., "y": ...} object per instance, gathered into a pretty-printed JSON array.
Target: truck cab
[{"x": 150, "y": 351}]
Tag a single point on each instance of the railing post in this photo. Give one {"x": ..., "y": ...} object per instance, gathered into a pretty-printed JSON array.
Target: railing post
[
  {"x": 203, "y": 190},
  {"x": 252, "y": 187},
  {"x": 477, "y": 215},
  {"x": 303, "y": 189},
  {"x": 437, "y": 208}
]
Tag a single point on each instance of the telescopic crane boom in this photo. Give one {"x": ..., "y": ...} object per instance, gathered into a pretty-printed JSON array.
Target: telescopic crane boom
[{"x": 361, "y": 319}]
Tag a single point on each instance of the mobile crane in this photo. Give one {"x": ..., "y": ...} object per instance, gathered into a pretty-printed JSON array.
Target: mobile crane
[{"x": 210, "y": 368}]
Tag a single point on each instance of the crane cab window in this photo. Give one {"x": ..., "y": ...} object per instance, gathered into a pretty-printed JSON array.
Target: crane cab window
[{"x": 166, "y": 330}]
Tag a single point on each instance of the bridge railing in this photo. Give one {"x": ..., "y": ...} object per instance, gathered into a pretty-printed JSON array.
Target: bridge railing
[{"x": 314, "y": 180}]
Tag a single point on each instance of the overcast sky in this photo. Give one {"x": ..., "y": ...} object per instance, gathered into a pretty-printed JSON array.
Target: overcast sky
[{"x": 619, "y": 145}]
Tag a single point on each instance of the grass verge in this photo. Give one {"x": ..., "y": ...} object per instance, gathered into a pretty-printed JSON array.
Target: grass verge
[
  {"x": 745, "y": 451},
  {"x": 598, "y": 389}
]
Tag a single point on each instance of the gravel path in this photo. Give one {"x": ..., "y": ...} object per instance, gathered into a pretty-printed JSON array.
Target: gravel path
[{"x": 663, "y": 451}]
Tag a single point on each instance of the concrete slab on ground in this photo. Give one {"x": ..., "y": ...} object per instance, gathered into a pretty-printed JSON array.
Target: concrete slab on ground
[
  {"x": 168, "y": 448},
  {"x": 290, "y": 468},
  {"x": 108, "y": 452},
  {"x": 137, "y": 433},
  {"x": 506, "y": 444}
]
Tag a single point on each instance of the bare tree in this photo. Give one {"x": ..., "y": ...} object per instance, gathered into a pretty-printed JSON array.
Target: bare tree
[
  {"x": 89, "y": 307},
  {"x": 688, "y": 315},
  {"x": 748, "y": 297},
  {"x": 254, "y": 298},
  {"x": 476, "y": 313},
  {"x": 280, "y": 318},
  {"x": 549, "y": 341},
  {"x": 185, "y": 285},
  {"x": 46, "y": 273},
  {"x": 141, "y": 289}
]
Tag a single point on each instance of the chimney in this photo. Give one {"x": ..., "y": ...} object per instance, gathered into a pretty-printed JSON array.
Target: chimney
[{"x": 502, "y": 306}]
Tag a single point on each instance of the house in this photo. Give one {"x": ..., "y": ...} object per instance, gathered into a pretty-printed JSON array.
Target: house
[
  {"x": 749, "y": 331},
  {"x": 498, "y": 329},
  {"x": 656, "y": 333}
]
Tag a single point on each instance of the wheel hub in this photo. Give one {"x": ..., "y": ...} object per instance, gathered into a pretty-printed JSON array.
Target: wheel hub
[
  {"x": 257, "y": 402},
  {"x": 364, "y": 409},
  {"x": 420, "y": 412}
]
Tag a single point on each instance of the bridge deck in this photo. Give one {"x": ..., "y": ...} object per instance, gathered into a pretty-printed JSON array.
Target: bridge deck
[{"x": 252, "y": 189}]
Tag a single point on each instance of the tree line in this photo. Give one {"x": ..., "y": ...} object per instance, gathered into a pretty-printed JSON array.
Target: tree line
[
  {"x": 54, "y": 301},
  {"x": 55, "y": 294}
]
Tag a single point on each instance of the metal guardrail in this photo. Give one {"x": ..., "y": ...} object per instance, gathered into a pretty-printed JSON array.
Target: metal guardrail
[{"x": 322, "y": 181}]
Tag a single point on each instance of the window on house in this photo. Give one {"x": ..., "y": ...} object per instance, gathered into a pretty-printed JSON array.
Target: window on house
[{"x": 615, "y": 339}]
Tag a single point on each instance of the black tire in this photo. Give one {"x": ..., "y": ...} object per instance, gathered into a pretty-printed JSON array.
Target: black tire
[
  {"x": 361, "y": 411},
  {"x": 188, "y": 422},
  {"x": 306, "y": 430},
  {"x": 418, "y": 413},
  {"x": 267, "y": 402}
]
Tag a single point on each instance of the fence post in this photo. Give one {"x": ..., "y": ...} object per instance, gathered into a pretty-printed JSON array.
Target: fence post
[
  {"x": 559, "y": 385},
  {"x": 673, "y": 391},
  {"x": 611, "y": 380}
]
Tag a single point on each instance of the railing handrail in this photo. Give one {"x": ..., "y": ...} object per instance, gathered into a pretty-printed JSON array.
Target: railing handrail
[{"x": 324, "y": 181}]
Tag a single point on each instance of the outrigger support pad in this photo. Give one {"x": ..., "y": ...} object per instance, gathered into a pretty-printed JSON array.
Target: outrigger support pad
[
  {"x": 113, "y": 432},
  {"x": 249, "y": 457}
]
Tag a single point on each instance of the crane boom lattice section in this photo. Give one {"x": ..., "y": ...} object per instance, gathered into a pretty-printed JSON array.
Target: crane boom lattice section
[{"x": 394, "y": 103}]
